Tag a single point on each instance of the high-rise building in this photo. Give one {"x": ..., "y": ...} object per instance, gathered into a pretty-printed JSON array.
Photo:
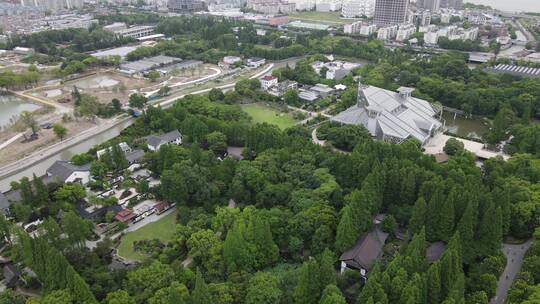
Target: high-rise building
[
  {"x": 184, "y": 6},
  {"x": 432, "y": 5},
  {"x": 455, "y": 4},
  {"x": 390, "y": 12},
  {"x": 358, "y": 8}
]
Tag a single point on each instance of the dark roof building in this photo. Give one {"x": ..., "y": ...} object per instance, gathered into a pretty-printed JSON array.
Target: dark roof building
[
  {"x": 366, "y": 251},
  {"x": 184, "y": 6},
  {"x": 94, "y": 213},
  {"x": 172, "y": 137},
  {"x": 435, "y": 251},
  {"x": 4, "y": 204},
  {"x": 65, "y": 171},
  {"x": 11, "y": 275},
  {"x": 134, "y": 156}
]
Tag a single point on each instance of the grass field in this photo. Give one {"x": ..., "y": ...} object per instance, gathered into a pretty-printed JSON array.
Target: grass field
[
  {"x": 163, "y": 230},
  {"x": 261, "y": 113},
  {"x": 321, "y": 17}
]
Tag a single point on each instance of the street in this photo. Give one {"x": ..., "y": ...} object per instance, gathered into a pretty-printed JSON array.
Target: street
[{"x": 514, "y": 256}]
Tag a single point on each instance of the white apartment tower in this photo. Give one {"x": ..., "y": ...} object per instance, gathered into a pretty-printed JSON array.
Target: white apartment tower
[{"x": 358, "y": 8}]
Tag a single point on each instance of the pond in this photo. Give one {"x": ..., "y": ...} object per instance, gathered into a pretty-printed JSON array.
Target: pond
[
  {"x": 98, "y": 82},
  {"x": 12, "y": 106},
  {"x": 466, "y": 127}
]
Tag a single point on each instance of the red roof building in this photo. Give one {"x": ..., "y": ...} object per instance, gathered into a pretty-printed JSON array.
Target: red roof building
[{"x": 125, "y": 216}]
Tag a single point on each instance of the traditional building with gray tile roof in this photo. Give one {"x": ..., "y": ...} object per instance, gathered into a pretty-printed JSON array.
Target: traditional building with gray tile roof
[
  {"x": 66, "y": 172},
  {"x": 393, "y": 116},
  {"x": 155, "y": 142},
  {"x": 365, "y": 253}
]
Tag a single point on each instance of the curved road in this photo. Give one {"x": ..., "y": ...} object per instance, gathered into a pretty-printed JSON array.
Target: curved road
[{"x": 514, "y": 259}]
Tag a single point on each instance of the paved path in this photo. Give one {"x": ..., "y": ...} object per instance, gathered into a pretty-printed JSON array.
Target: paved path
[{"x": 514, "y": 259}]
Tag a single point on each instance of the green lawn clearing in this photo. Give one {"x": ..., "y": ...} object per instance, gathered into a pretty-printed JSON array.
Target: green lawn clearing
[
  {"x": 261, "y": 113},
  {"x": 320, "y": 17},
  {"x": 162, "y": 229}
]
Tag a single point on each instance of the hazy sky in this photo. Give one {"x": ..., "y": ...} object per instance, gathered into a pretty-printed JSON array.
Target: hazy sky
[{"x": 511, "y": 5}]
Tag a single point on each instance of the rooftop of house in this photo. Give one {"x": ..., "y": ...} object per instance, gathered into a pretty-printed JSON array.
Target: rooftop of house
[
  {"x": 368, "y": 248},
  {"x": 63, "y": 169},
  {"x": 156, "y": 140},
  {"x": 435, "y": 251},
  {"x": 269, "y": 78},
  {"x": 135, "y": 155}
]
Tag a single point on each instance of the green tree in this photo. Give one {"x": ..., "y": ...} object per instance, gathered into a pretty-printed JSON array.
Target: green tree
[
  {"x": 76, "y": 229},
  {"x": 308, "y": 289},
  {"x": 347, "y": 231},
  {"x": 153, "y": 75},
  {"x": 433, "y": 284},
  {"x": 119, "y": 297},
  {"x": 200, "y": 293},
  {"x": 216, "y": 95},
  {"x": 327, "y": 270},
  {"x": 490, "y": 232},
  {"x": 418, "y": 217},
  {"x": 216, "y": 142},
  {"x": 453, "y": 146},
  {"x": 137, "y": 101},
  {"x": 29, "y": 121},
  {"x": 59, "y": 130},
  {"x": 263, "y": 288},
  {"x": 332, "y": 295},
  {"x": 58, "y": 297}
]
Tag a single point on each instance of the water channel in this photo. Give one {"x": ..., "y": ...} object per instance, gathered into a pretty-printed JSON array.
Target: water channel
[
  {"x": 39, "y": 168},
  {"x": 12, "y": 106}
]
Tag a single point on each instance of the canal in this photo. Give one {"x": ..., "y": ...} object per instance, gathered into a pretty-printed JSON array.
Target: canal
[{"x": 40, "y": 168}]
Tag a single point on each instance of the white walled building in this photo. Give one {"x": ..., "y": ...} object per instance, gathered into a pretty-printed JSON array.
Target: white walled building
[
  {"x": 431, "y": 37},
  {"x": 304, "y": 5},
  {"x": 405, "y": 32},
  {"x": 358, "y": 8},
  {"x": 328, "y": 5},
  {"x": 268, "y": 81},
  {"x": 387, "y": 33},
  {"x": 360, "y": 28}
]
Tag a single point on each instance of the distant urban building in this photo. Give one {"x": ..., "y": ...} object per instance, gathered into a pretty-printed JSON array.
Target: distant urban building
[
  {"x": 432, "y": 5},
  {"x": 271, "y": 7},
  {"x": 358, "y": 8},
  {"x": 184, "y": 6},
  {"x": 390, "y": 12},
  {"x": 455, "y": 4},
  {"x": 115, "y": 27},
  {"x": 360, "y": 28},
  {"x": 328, "y": 5},
  {"x": 278, "y": 20},
  {"x": 387, "y": 33},
  {"x": 154, "y": 142},
  {"x": 405, "y": 32},
  {"x": 431, "y": 37},
  {"x": 54, "y": 5},
  {"x": 304, "y": 5},
  {"x": 136, "y": 31}
]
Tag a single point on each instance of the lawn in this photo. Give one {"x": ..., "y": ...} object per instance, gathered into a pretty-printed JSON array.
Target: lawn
[
  {"x": 320, "y": 17},
  {"x": 162, "y": 229},
  {"x": 261, "y": 113}
]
